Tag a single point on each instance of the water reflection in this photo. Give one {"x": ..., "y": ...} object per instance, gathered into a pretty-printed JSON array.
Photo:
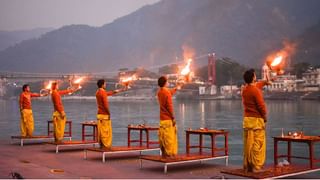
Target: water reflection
[
  {"x": 182, "y": 111},
  {"x": 202, "y": 114}
]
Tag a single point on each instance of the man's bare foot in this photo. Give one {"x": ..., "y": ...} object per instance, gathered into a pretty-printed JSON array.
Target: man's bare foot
[
  {"x": 258, "y": 170},
  {"x": 105, "y": 148},
  {"x": 247, "y": 169},
  {"x": 58, "y": 141},
  {"x": 169, "y": 157}
]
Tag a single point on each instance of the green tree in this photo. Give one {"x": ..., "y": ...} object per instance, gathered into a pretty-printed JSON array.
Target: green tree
[
  {"x": 228, "y": 72},
  {"x": 300, "y": 68}
]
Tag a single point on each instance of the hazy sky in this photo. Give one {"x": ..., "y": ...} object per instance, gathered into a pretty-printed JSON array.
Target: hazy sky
[{"x": 29, "y": 14}]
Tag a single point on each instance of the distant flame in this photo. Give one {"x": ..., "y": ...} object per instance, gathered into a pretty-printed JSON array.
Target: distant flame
[
  {"x": 49, "y": 85},
  {"x": 128, "y": 79},
  {"x": 77, "y": 81},
  {"x": 186, "y": 70},
  {"x": 276, "y": 61}
]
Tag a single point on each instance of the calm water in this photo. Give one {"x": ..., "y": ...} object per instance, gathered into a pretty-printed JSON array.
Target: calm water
[{"x": 290, "y": 115}]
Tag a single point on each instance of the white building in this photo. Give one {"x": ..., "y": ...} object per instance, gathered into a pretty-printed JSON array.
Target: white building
[
  {"x": 312, "y": 80},
  {"x": 284, "y": 83},
  {"x": 229, "y": 89},
  {"x": 208, "y": 90}
]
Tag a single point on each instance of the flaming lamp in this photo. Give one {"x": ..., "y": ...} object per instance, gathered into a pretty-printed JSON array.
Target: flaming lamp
[
  {"x": 126, "y": 81},
  {"x": 185, "y": 73}
]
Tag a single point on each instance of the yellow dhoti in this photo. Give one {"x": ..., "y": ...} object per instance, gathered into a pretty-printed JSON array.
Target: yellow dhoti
[
  {"x": 254, "y": 143},
  {"x": 168, "y": 138},
  {"x": 104, "y": 131},
  {"x": 59, "y": 122},
  {"x": 27, "y": 122}
]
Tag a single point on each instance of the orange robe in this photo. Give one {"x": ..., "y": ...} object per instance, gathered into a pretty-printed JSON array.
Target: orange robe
[
  {"x": 168, "y": 139},
  {"x": 27, "y": 121},
  {"x": 56, "y": 99},
  {"x": 254, "y": 136},
  {"x": 102, "y": 101},
  {"x": 25, "y": 99},
  {"x": 253, "y": 102},
  {"x": 165, "y": 103},
  {"x": 59, "y": 116},
  {"x": 104, "y": 124}
]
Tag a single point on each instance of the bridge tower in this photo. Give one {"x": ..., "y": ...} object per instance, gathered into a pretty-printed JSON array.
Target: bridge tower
[{"x": 212, "y": 69}]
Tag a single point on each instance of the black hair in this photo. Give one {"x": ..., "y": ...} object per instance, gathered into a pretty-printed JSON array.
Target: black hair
[
  {"x": 100, "y": 83},
  {"x": 248, "y": 76},
  {"x": 54, "y": 85},
  {"x": 162, "y": 81},
  {"x": 24, "y": 87}
]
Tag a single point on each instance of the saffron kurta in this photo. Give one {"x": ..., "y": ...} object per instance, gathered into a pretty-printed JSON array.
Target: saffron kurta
[
  {"x": 104, "y": 124},
  {"x": 27, "y": 121},
  {"x": 254, "y": 149},
  {"x": 167, "y": 130},
  {"x": 59, "y": 116}
]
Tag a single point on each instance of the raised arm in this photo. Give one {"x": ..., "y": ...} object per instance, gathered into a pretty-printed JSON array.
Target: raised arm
[
  {"x": 35, "y": 95},
  {"x": 173, "y": 90},
  {"x": 66, "y": 91},
  {"x": 177, "y": 87},
  {"x": 110, "y": 93},
  {"x": 262, "y": 83}
]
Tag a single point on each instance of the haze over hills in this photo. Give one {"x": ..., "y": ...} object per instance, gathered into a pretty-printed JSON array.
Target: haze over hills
[
  {"x": 244, "y": 30},
  {"x": 10, "y": 38}
]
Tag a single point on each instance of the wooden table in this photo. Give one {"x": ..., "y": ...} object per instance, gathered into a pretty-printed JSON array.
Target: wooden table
[
  {"x": 94, "y": 133},
  {"x": 66, "y": 133},
  {"x": 213, "y": 134},
  {"x": 141, "y": 129},
  {"x": 310, "y": 140}
]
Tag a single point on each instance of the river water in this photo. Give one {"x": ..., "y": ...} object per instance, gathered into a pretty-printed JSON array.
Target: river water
[{"x": 224, "y": 114}]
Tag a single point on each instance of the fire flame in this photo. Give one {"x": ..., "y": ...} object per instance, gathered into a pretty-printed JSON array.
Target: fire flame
[
  {"x": 186, "y": 70},
  {"x": 49, "y": 85},
  {"x": 77, "y": 81},
  {"x": 276, "y": 61},
  {"x": 128, "y": 79}
]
